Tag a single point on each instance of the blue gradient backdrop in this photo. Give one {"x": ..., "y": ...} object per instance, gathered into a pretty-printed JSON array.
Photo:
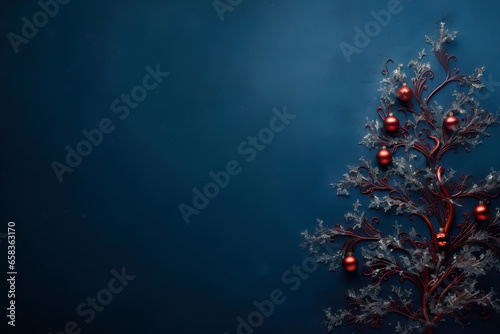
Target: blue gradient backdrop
[{"x": 119, "y": 207}]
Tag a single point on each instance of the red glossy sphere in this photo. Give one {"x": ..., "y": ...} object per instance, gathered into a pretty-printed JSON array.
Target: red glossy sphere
[
  {"x": 391, "y": 123},
  {"x": 405, "y": 94},
  {"x": 384, "y": 157},
  {"x": 481, "y": 212},
  {"x": 451, "y": 123},
  {"x": 350, "y": 263},
  {"x": 442, "y": 239}
]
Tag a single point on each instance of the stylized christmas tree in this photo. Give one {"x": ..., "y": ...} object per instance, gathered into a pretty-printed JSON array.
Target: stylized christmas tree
[{"x": 446, "y": 255}]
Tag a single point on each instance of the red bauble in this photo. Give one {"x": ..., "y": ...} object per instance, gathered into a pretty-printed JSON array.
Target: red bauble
[
  {"x": 384, "y": 157},
  {"x": 451, "y": 123},
  {"x": 391, "y": 123},
  {"x": 442, "y": 239},
  {"x": 350, "y": 263},
  {"x": 405, "y": 93},
  {"x": 481, "y": 212}
]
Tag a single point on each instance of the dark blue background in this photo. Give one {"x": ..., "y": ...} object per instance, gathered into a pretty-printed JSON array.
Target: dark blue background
[{"x": 119, "y": 207}]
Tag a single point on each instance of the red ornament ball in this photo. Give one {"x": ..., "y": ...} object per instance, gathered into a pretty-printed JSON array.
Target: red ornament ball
[
  {"x": 442, "y": 239},
  {"x": 481, "y": 212},
  {"x": 350, "y": 263},
  {"x": 451, "y": 123},
  {"x": 384, "y": 157},
  {"x": 391, "y": 123},
  {"x": 404, "y": 93}
]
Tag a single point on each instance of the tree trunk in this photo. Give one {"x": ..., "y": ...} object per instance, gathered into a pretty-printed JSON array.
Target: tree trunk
[{"x": 429, "y": 329}]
